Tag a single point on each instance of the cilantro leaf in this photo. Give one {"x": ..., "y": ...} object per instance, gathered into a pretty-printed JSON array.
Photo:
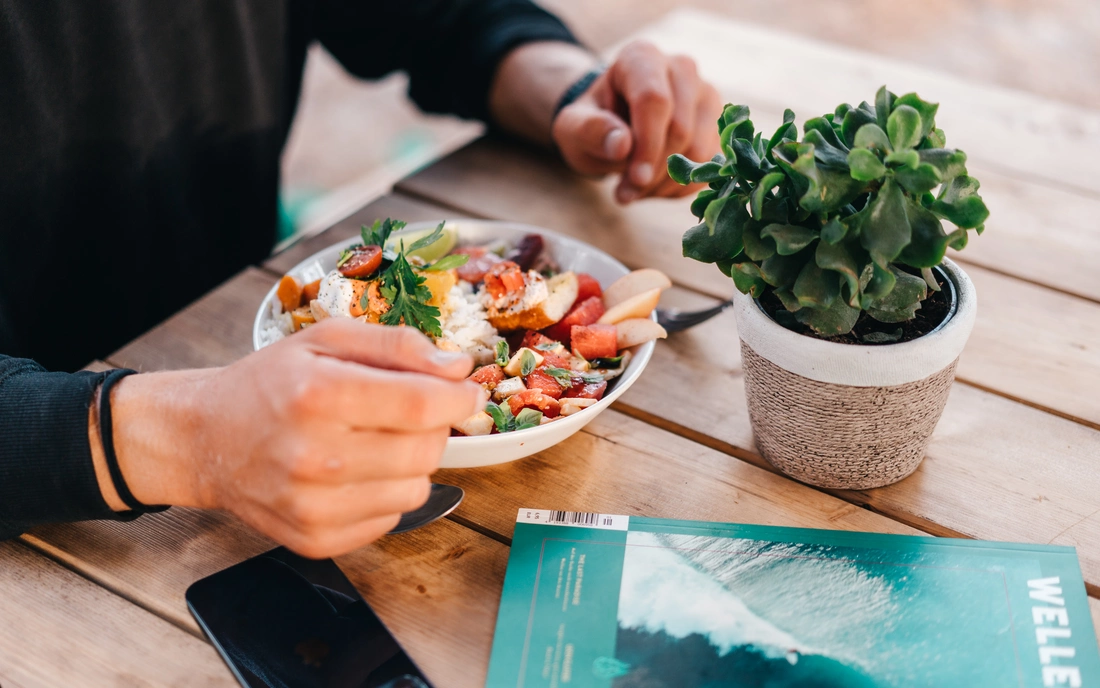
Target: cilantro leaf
[
  {"x": 379, "y": 233},
  {"x": 502, "y": 353}
]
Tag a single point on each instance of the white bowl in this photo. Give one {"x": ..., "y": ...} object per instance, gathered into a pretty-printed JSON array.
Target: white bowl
[{"x": 570, "y": 254}]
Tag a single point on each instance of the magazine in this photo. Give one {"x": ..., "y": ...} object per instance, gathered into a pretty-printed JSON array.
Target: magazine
[{"x": 628, "y": 602}]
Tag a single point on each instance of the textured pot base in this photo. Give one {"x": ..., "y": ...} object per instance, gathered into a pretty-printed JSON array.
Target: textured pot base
[{"x": 841, "y": 436}]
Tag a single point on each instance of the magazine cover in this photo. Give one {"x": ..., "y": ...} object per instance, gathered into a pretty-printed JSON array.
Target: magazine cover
[{"x": 628, "y": 602}]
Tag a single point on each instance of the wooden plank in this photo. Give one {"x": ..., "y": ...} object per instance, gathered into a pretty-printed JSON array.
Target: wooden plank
[
  {"x": 1026, "y": 135},
  {"x": 59, "y": 629},
  {"x": 436, "y": 589}
]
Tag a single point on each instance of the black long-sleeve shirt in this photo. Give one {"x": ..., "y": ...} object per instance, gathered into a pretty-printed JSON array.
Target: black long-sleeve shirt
[{"x": 139, "y": 166}]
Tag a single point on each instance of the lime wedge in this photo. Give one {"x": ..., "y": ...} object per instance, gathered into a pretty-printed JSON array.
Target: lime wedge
[{"x": 446, "y": 242}]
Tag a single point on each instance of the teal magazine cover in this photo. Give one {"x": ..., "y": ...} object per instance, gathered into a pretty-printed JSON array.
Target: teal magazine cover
[{"x": 625, "y": 602}]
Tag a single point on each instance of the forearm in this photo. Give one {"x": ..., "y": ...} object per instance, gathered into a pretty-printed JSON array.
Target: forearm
[{"x": 530, "y": 82}]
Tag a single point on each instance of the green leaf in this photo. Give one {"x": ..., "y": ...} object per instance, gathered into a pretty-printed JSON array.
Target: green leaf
[
  {"x": 902, "y": 302},
  {"x": 564, "y": 377},
  {"x": 828, "y": 189},
  {"x": 502, "y": 353},
  {"x": 766, "y": 184},
  {"x": 501, "y": 415},
  {"x": 789, "y": 239},
  {"x": 725, "y": 266},
  {"x": 875, "y": 282},
  {"x": 958, "y": 239},
  {"x": 836, "y": 257},
  {"x": 727, "y": 216},
  {"x": 527, "y": 362},
  {"x": 834, "y": 231},
  {"x": 839, "y": 318},
  {"x": 907, "y": 158},
  {"x": 884, "y": 104},
  {"x": 788, "y": 299},
  {"x": 929, "y": 241},
  {"x": 872, "y": 136},
  {"x": 528, "y": 418},
  {"x": 455, "y": 260},
  {"x": 950, "y": 163},
  {"x": 926, "y": 110},
  {"x": 923, "y": 179},
  {"x": 904, "y": 127},
  {"x": 725, "y": 139},
  {"x": 816, "y": 287},
  {"x": 853, "y": 120},
  {"x": 408, "y": 299},
  {"x": 680, "y": 168},
  {"x": 936, "y": 139},
  {"x": 733, "y": 114},
  {"x": 826, "y": 153},
  {"x": 379, "y": 233},
  {"x": 706, "y": 173},
  {"x": 865, "y": 165},
  {"x": 426, "y": 241},
  {"x": 747, "y": 162},
  {"x": 699, "y": 205},
  {"x": 883, "y": 225},
  {"x": 756, "y": 247},
  {"x": 786, "y": 131},
  {"x": 781, "y": 271},
  {"x": 960, "y": 203},
  {"x": 825, "y": 129},
  {"x": 747, "y": 278}
]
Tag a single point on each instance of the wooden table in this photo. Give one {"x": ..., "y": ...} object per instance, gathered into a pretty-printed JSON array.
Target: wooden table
[{"x": 1016, "y": 456}]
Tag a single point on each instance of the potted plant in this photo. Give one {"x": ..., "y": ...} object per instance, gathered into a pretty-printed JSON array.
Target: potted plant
[{"x": 851, "y": 319}]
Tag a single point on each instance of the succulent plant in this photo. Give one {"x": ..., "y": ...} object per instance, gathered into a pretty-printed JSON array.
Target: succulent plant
[{"x": 845, "y": 222}]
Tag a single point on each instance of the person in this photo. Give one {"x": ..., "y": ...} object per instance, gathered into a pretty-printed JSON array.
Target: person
[{"x": 139, "y": 166}]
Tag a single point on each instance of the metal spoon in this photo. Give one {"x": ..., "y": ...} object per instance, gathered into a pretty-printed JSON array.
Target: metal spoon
[
  {"x": 443, "y": 500},
  {"x": 676, "y": 320}
]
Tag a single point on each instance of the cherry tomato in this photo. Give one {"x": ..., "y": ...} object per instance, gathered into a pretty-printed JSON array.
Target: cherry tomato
[{"x": 364, "y": 260}]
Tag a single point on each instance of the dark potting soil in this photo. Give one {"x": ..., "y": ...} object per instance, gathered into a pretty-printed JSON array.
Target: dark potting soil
[{"x": 933, "y": 310}]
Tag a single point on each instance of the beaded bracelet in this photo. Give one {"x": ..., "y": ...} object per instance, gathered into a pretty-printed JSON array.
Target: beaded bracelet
[{"x": 107, "y": 440}]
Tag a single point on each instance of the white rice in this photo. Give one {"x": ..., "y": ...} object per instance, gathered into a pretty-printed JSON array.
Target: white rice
[
  {"x": 279, "y": 325},
  {"x": 465, "y": 324}
]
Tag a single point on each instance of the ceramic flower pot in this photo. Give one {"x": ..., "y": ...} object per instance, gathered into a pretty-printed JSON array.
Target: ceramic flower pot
[{"x": 849, "y": 416}]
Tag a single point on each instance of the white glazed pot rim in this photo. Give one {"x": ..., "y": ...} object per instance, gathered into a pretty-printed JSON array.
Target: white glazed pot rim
[{"x": 882, "y": 365}]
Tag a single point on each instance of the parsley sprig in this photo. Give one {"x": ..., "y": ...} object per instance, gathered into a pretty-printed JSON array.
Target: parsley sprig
[{"x": 400, "y": 286}]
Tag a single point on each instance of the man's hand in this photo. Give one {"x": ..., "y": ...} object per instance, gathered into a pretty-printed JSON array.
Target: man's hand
[
  {"x": 319, "y": 441},
  {"x": 645, "y": 107}
]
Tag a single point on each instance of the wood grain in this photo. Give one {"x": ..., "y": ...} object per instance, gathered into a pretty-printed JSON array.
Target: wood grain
[
  {"x": 59, "y": 629},
  {"x": 1024, "y": 134},
  {"x": 436, "y": 589}
]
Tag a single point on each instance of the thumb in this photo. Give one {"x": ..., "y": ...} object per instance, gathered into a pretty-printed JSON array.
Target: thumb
[{"x": 592, "y": 140}]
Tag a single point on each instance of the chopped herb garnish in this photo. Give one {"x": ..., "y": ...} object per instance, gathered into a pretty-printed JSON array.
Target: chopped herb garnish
[
  {"x": 502, "y": 353},
  {"x": 424, "y": 242},
  {"x": 528, "y": 418},
  {"x": 561, "y": 375},
  {"x": 608, "y": 362},
  {"x": 379, "y": 233},
  {"x": 548, "y": 346},
  {"x": 591, "y": 378},
  {"x": 408, "y": 299},
  {"x": 455, "y": 260},
  {"x": 345, "y": 255},
  {"x": 527, "y": 362}
]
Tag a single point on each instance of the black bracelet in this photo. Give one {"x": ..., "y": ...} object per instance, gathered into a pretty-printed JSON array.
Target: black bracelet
[
  {"x": 579, "y": 87},
  {"x": 107, "y": 439}
]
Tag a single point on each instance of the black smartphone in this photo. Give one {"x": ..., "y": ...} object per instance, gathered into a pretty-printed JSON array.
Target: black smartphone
[{"x": 282, "y": 621}]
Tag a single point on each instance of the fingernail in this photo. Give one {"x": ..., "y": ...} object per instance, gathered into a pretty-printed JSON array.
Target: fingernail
[
  {"x": 446, "y": 358},
  {"x": 642, "y": 173},
  {"x": 612, "y": 142},
  {"x": 626, "y": 194}
]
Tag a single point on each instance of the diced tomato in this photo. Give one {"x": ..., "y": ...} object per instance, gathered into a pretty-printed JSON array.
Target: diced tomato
[
  {"x": 362, "y": 262},
  {"x": 503, "y": 278},
  {"x": 544, "y": 383},
  {"x": 488, "y": 376},
  {"x": 480, "y": 262},
  {"x": 586, "y": 390},
  {"x": 583, "y": 313},
  {"x": 587, "y": 287},
  {"x": 533, "y": 339},
  {"x": 594, "y": 341},
  {"x": 533, "y": 398},
  {"x": 553, "y": 360}
]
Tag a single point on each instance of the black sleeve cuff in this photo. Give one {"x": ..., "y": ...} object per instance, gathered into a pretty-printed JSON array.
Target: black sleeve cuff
[{"x": 46, "y": 469}]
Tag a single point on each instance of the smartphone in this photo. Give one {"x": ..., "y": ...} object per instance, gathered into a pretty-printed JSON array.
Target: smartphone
[{"x": 282, "y": 621}]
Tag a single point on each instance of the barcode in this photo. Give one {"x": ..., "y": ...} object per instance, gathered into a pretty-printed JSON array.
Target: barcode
[
  {"x": 582, "y": 519},
  {"x": 579, "y": 518}
]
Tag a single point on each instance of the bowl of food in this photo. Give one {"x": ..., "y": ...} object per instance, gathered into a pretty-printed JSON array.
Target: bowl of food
[{"x": 557, "y": 328}]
